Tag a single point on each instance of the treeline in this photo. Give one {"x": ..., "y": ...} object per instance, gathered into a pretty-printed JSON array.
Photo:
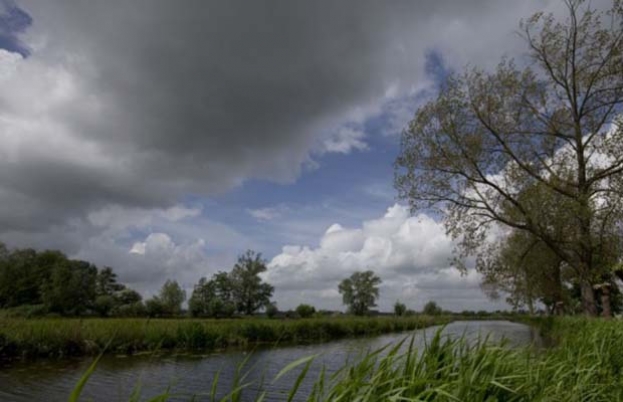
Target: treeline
[
  {"x": 48, "y": 282},
  {"x": 36, "y": 283}
]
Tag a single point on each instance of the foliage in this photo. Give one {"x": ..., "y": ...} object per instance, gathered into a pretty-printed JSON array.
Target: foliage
[
  {"x": 493, "y": 145},
  {"x": 431, "y": 308},
  {"x": 106, "y": 282},
  {"x": 56, "y": 284},
  {"x": 154, "y": 307},
  {"x": 71, "y": 288},
  {"x": 272, "y": 310},
  {"x": 213, "y": 298},
  {"x": 400, "y": 309},
  {"x": 171, "y": 298},
  {"x": 360, "y": 291},
  {"x": 305, "y": 310},
  {"x": 249, "y": 292}
]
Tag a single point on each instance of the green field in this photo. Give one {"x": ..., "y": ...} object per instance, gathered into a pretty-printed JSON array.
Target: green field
[{"x": 59, "y": 337}]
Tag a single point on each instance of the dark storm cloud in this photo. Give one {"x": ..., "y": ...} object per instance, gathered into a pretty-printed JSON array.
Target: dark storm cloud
[{"x": 139, "y": 103}]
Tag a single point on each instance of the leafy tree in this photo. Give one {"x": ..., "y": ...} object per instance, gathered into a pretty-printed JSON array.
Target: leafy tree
[
  {"x": 212, "y": 298},
  {"x": 431, "y": 308},
  {"x": 71, "y": 288},
  {"x": 106, "y": 282},
  {"x": 104, "y": 304},
  {"x": 22, "y": 274},
  {"x": 272, "y": 310},
  {"x": 249, "y": 292},
  {"x": 526, "y": 270},
  {"x": 400, "y": 309},
  {"x": 136, "y": 309},
  {"x": 552, "y": 125},
  {"x": 360, "y": 291},
  {"x": 154, "y": 307},
  {"x": 305, "y": 310},
  {"x": 171, "y": 297},
  {"x": 127, "y": 296}
]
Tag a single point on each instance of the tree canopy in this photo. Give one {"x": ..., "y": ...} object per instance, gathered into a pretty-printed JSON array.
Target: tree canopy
[
  {"x": 249, "y": 291},
  {"x": 360, "y": 291},
  {"x": 494, "y": 144}
]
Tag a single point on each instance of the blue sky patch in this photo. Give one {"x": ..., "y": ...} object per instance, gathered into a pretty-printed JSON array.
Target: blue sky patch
[{"x": 13, "y": 21}]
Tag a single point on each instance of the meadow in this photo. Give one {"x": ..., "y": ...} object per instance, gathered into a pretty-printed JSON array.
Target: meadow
[{"x": 62, "y": 337}]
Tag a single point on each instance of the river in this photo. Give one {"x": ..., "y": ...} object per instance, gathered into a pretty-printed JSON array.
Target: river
[{"x": 116, "y": 377}]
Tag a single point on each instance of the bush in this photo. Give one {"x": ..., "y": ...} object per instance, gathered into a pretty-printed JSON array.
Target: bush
[
  {"x": 400, "y": 309},
  {"x": 305, "y": 310},
  {"x": 271, "y": 310},
  {"x": 431, "y": 308}
]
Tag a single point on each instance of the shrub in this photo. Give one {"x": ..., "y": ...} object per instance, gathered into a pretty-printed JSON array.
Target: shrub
[
  {"x": 400, "y": 309},
  {"x": 305, "y": 310},
  {"x": 431, "y": 308}
]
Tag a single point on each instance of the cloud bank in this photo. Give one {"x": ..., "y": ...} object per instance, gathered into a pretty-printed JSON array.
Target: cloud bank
[{"x": 411, "y": 254}]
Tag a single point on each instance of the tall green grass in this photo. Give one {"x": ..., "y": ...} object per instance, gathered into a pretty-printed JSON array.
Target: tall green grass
[
  {"x": 58, "y": 337},
  {"x": 585, "y": 365}
]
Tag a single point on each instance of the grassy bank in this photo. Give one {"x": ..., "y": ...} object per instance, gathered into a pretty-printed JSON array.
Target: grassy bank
[
  {"x": 58, "y": 337},
  {"x": 585, "y": 365}
]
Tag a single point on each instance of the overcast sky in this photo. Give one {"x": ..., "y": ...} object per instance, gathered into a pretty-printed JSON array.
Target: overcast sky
[{"x": 164, "y": 138}]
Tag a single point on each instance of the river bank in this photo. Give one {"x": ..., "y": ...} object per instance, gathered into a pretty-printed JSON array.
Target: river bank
[
  {"x": 65, "y": 337},
  {"x": 188, "y": 374},
  {"x": 461, "y": 361}
]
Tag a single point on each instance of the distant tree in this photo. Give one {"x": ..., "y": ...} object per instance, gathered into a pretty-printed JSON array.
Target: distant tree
[
  {"x": 431, "y": 308},
  {"x": 172, "y": 296},
  {"x": 136, "y": 309},
  {"x": 400, "y": 309},
  {"x": 106, "y": 282},
  {"x": 127, "y": 296},
  {"x": 104, "y": 304},
  {"x": 154, "y": 307},
  {"x": 305, "y": 310},
  {"x": 212, "y": 298},
  {"x": 249, "y": 292},
  {"x": 22, "y": 274},
  {"x": 71, "y": 288},
  {"x": 360, "y": 291},
  {"x": 272, "y": 310}
]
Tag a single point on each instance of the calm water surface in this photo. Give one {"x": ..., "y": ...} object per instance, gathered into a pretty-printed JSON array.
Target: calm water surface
[{"x": 116, "y": 377}]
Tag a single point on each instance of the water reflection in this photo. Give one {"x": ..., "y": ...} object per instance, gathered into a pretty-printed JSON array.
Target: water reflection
[{"x": 116, "y": 377}]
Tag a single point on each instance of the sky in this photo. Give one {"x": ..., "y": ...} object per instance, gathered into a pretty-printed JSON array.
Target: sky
[{"x": 165, "y": 138}]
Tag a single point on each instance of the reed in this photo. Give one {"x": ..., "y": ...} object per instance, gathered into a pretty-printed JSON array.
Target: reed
[
  {"x": 60, "y": 337},
  {"x": 585, "y": 365}
]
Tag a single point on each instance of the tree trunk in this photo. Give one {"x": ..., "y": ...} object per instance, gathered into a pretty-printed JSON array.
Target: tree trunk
[
  {"x": 606, "y": 309},
  {"x": 588, "y": 299}
]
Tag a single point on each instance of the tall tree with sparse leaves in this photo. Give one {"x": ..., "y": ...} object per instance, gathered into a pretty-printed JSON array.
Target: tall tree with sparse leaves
[{"x": 551, "y": 122}]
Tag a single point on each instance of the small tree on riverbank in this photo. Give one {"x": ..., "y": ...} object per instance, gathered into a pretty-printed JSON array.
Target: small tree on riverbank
[
  {"x": 431, "y": 308},
  {"x": 360, "y": 291},
  {"x": 305, "y": 310},
  {"x": 400, "y": 309},
  {"x": 171, "y": 297},
  {"x": 249, "y": 292}
]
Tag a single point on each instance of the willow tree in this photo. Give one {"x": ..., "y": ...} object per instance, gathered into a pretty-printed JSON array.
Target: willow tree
[
  {"x": 552, "y": 120},
  {"x": 527, "y": 272}
]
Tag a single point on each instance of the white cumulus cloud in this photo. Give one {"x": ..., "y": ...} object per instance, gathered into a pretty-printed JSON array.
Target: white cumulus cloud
[{"x": 411, "y": 254}]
